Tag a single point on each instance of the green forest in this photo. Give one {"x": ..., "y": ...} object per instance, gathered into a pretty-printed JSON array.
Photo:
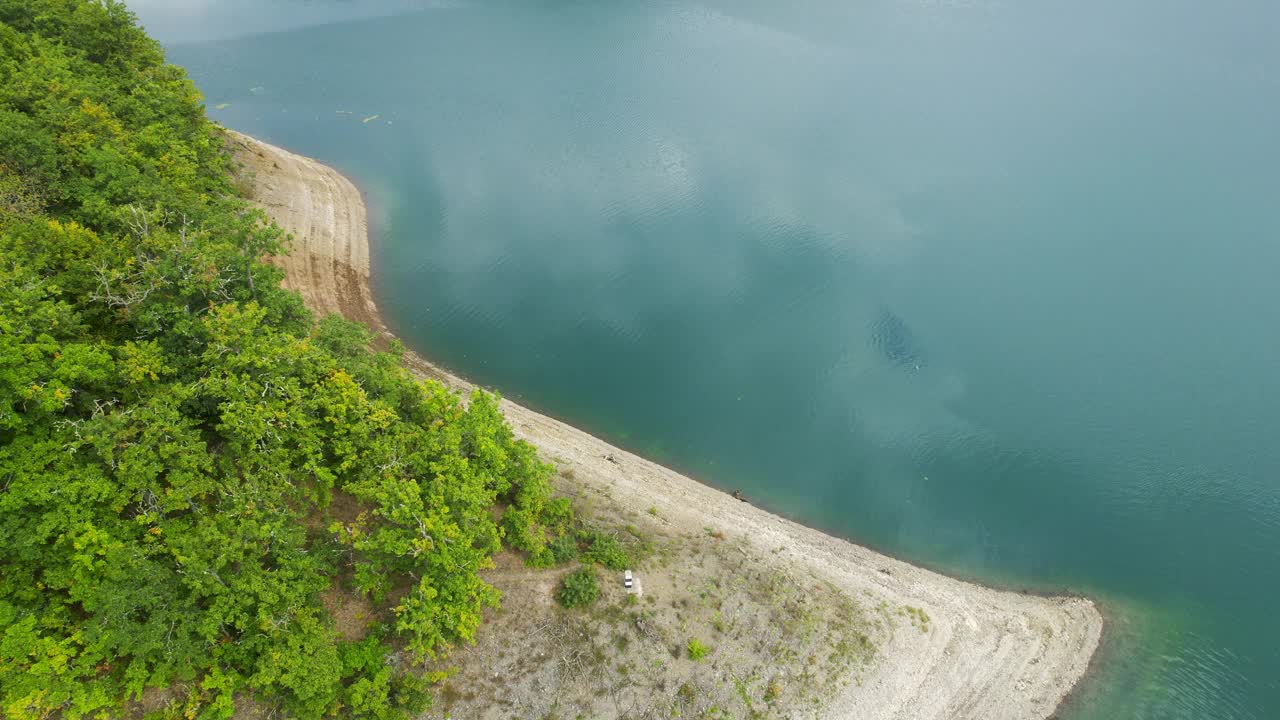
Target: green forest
[{"x": 188, "y": 459}]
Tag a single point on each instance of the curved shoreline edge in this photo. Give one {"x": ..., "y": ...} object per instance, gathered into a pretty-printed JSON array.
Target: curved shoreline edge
[{"x": 988, "y": 653}]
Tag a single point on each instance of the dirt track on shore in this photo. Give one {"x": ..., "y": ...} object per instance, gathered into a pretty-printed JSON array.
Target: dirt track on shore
[{"x": 986, "y": 654}]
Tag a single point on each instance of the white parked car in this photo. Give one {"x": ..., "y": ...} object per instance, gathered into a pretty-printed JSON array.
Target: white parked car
[{"x": 627, "y": 580}]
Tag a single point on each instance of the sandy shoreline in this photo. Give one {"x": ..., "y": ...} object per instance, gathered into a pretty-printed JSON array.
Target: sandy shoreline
[{"x": 989, "y": 654}]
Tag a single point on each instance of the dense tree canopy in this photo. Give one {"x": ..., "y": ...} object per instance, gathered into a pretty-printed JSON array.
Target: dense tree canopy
[{"x": 176, "y": 431}]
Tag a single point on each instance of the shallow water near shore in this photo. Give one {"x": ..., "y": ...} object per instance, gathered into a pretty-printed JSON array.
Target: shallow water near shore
[{"x": 989, "y": 287}]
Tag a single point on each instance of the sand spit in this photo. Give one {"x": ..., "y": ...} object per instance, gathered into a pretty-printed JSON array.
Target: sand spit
[{"x": 987, "y": 654}]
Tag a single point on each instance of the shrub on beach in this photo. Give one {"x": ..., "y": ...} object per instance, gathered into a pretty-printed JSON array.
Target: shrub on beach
[
  {"x": 580, "y": 587},
  {"x": 560, "y": 550},
  {"x": 563, "y": 549},
  {"x": 696, "y": 649},
  {"x": 604, "y": 549}
]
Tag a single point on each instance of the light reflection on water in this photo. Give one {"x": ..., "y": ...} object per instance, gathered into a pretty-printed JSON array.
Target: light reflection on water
[{"x": 680, "y": 225}]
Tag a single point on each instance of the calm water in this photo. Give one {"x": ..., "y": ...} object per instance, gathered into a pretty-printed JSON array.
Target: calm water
[{"x": 989, "y": 286}]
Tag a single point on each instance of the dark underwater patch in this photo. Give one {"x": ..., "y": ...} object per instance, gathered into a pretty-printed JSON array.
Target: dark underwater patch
[{"x": 892, "y": 336}]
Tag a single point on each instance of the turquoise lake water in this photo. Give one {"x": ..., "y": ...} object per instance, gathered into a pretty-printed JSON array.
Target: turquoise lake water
[{"x": 990, "y": 286}]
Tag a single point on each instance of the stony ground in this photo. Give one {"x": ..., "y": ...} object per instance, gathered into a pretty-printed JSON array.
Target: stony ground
[{"x": 780, "y": 642}]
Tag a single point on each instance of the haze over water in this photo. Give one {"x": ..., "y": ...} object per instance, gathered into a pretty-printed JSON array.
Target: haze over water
[{"x": 987, "y": 286}]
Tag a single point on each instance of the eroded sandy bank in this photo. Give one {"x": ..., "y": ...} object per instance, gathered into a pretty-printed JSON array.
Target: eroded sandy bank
[{"x": 988, "y": 654}]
